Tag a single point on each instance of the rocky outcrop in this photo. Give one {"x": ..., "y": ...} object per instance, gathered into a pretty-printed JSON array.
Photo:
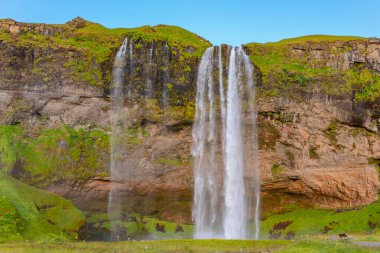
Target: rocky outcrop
[
  {"x": 338, "y": 68},
  {"x": 328, "y": 187},
  {"x": 146, "y": 198},
  {"x": 19, "y": 27},
  {"x": 340, "y": 54},
  {"x": 316, "y": 154}
]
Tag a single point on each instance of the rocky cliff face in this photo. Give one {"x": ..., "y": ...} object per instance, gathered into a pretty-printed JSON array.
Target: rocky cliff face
[
  {"x": 341, "y": 68},
  {"x": 340, "y": 54},
  {"x": 319, "y": 147},
  {"x": 310, "y": 152}
]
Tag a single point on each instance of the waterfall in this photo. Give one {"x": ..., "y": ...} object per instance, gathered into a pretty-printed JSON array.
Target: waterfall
[
  {"x": 149, "y": 91},
  {"x": 226, "y": 173},
  {"x": 235, "y": 220},
  {"x": 130, "y": 70},
  {"x": 165, "y": 88},
  {"x": 117, "y": 103},
  {"x": 206, "y": 210}
]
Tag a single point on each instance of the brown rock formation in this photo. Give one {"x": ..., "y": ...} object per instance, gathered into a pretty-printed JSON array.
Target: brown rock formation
[
  {"x": 328, "y": 187},
  {"x": 18, "y": 27},
  {"x": 336, "y": 55}
]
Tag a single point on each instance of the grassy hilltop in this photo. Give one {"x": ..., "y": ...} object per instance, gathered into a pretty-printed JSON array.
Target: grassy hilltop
[{"x": 285, "y": 69}]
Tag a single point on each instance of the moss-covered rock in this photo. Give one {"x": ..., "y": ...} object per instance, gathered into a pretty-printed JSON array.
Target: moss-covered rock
[
  {"x": 303, "y": 221},
  {"x": 83, "y": 51},
  {"x": 318, "y": 63},
  {"x": 136, "y": 226},
  {"x": 27, "y": 213},
  {"x": 44, "y": 156}
]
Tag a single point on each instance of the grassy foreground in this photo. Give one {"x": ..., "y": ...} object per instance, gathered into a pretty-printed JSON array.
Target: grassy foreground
[{"x": 184, "y": 246}]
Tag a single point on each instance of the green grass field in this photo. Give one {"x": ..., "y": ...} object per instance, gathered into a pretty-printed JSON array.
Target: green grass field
[{"x": 189, "y": 246}]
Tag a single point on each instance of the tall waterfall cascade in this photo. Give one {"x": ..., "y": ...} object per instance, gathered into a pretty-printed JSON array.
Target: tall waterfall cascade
[
  {"x": 225, "y": 148},
  {"x": 140, "y": 75},
  {"x": 117, "y": 103}
]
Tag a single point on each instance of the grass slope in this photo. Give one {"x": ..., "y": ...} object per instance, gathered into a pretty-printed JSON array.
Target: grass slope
[
  {"x": 27, "y": 213},
  {"x": 315, "y": 38}
]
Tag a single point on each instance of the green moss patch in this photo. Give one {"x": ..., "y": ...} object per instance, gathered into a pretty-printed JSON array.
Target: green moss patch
[
  {"x": 304, "y": 221},
  {"x": 90, "y": 47},
  {"x": 331, "y": 133},
  {"x": 285, "y": 72},
  {"x": 136, "y": 226},
  {"x": 276, "y": 169},
  {"x": 52, "y": 154},
  {"x": 176, "y": 162},
  {"x": 27, "y": 213}
]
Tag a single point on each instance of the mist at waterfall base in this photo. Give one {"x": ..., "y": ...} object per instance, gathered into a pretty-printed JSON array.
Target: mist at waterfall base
[{"x": 226, "y": 176}]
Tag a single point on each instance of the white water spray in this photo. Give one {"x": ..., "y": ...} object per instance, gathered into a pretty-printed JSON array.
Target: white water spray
[
  {"x": 226, "y": 171},
  {"x": 117, "y": 103}
]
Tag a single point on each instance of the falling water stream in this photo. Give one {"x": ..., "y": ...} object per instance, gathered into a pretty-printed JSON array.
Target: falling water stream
[
  {"x": 227, "y": 186},
  {"x": 125, "y": 92},
  {"x": 226, "y": 194},
  {"x": 117, "y": 103},
  {"x": 149, "y": 90}
]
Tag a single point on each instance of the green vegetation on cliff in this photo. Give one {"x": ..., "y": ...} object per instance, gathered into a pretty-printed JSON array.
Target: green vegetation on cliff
[
  {"x": 309, "y": 64},
  {"x": 94, "y": 45},
  {"x": 315, "y": 38},
  {"x": 27, "y": 213},
  {"x": 365, "y": 84},
  {"x": 53, "y": 154}
]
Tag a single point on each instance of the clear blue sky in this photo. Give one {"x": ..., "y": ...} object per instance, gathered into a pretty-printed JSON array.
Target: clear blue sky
[{"x": 231, "y": 22}]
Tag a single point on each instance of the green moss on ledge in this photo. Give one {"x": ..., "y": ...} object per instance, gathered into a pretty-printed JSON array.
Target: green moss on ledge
[
  {"x": 43, "y": 156},
  {"x": 95, "y": 44},
  {"x": 296, "y": 221},
  {"x": 289, "y": 65},
  {"x": 27, "y": 213}
]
